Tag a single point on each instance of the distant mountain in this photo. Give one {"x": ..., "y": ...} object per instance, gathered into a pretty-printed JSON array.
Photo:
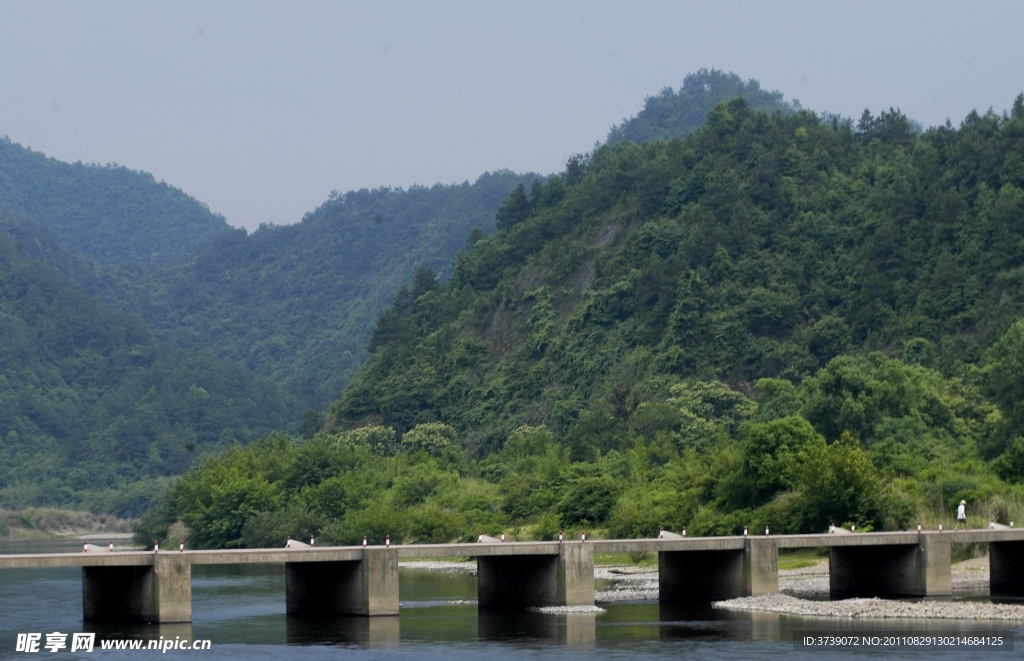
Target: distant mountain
[
  {"x": 93, "y": 411},
  {"x": 109, "y": 213},
  {"x": 674, "y": 114},
  {"x": 296, "y": 303}
]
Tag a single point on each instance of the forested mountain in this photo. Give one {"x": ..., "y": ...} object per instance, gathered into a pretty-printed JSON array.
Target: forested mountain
[
  {"x": 93, "y": 411},
  {"x": 780, "y": 320},
  {"x": 108, "y": 213},
  {"x": 294, "y": 303},
  {"x": 297, "y": 303},
  {"x": 674, "y": 114},
  {"x": 763, "y": 246}
]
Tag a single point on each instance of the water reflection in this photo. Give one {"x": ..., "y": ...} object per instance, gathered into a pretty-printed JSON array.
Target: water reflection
[
  {"x": 571, "y": 629},
  {"x": 371, "y": 632},
  {"x": 698, "y": 622}
]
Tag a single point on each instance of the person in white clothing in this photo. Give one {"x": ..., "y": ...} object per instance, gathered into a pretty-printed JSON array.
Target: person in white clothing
[{"x": 961, "y": 515}]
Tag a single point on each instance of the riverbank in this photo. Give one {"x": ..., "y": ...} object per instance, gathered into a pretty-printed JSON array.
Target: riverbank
[
  {"x": 875, "y": 608},
  {"x": 53, "y": 523}
]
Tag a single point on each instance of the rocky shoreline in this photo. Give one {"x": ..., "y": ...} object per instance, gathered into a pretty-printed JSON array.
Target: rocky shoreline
[
  {"x": 631, "y": 583},
  {"x": 875, "y": 608},
  {"x": 444, "y": 566}
]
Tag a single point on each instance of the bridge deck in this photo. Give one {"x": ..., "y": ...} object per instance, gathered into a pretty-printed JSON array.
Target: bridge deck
[{"x": 98, "y": 558}]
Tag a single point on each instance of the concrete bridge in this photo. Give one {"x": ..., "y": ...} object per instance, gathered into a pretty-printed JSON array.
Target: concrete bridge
[{"x": 157, "y": 587}]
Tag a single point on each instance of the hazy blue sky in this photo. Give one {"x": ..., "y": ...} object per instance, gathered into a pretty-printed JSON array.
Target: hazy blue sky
[{"x": 260, "y": 109}]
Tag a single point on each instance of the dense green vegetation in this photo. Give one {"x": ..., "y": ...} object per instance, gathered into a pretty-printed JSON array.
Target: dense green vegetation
[
  {"x": 108, "y": 213},
  {"x": 706, "y": 457},
  {"x": 675, "y": 114},
  {"x": 780, "y": 320},
  {"x": 93, "y": 411}
]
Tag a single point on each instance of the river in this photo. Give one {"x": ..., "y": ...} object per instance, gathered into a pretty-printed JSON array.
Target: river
[{"x": 241, "y": 610}]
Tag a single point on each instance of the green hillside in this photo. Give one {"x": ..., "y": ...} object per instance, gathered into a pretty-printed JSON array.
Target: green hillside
[
  {"x": 780, "y": 320},
  {"x": 296, "y": 304},
  {"x": 93, "y": 411},
  {"x": 109, "y": 213},
  {"x": 676, "y": 113},
  {"x": 763, "y": 246}
]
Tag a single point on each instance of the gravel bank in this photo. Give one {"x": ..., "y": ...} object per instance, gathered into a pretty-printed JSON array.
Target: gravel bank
[
  {"x": 807, "y": 581},
  {"x": 876, "y": 608},
  {"x": 444, "y": 566},
  {"x": 971, "y": 575},
  {"x": 631, "y": 583},
  {"x": 568, "y": 609}
]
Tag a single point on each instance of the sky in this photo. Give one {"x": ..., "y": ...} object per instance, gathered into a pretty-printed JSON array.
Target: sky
[{"x": 261, "y": 109}]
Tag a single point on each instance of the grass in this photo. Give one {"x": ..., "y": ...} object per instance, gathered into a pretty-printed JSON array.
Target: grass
[
  {"x": 799, "y": 558},
  {"x": 641, "y": 560}
]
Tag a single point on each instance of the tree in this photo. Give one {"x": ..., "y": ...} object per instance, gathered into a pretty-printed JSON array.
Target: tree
[
  {"x": 773, "y": 451},
  {"x": 1007, "y": 376},
  {"x": 1010, "y": 465},
  {"x": 837, "y": 483},
  {"x": 434, "y": 438},
  {"x": 515, "y": 209}
]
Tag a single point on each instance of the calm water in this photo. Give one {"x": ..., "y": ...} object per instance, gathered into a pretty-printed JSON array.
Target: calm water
[{"x": 242, "y": 610}]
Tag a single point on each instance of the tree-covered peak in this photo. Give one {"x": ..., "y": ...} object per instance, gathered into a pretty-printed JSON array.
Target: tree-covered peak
[
  {"x": 676, "y": 113},
  {"x": 106, "y": 212}
]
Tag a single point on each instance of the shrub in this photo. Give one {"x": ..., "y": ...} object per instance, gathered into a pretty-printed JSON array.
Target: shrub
[{"x": 588, "y": 500}]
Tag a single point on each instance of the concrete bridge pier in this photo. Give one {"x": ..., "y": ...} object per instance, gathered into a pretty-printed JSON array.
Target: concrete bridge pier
[
  {"x": 717, "y": 574},
  {"x": 1006, "y": 569},
  {"x": 522, "y": 581},
  {"x": 897, "y": 570},
  {"x": 345, "y": 587},
  {"x": 161, "y": 592}
]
